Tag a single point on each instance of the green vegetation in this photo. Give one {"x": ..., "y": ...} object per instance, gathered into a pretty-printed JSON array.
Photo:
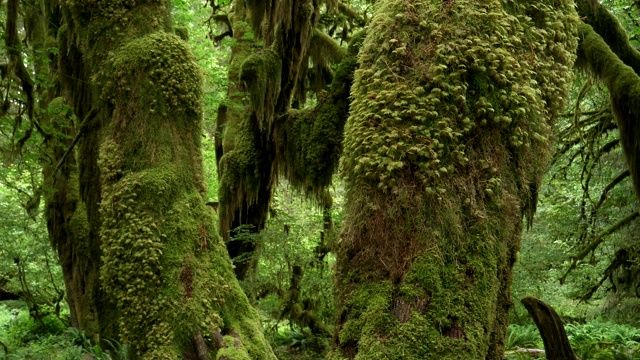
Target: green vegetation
[{"x": 318, "y": 179}]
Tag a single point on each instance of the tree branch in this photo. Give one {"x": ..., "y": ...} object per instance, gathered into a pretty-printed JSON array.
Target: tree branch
[
  {"x": 598, "y": 239},
  {"x": 611, "y": 185},
  {"x": 81, "y": 129},
  {"x": 623, "y": 84},
  {"x": 607, "y": 26}
]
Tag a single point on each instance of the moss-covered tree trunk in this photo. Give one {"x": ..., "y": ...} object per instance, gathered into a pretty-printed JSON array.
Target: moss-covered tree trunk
[
  {"x": 242, "y": 201},
  {"x": 445, "y": 146},
  {"x": 54, "y": 120},
  {"x": 137, "y": 88}
]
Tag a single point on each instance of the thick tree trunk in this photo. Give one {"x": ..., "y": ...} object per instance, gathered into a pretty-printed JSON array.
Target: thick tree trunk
[
  {"x": 446, "y": 142},
  {"x": 160, "y": 261}
]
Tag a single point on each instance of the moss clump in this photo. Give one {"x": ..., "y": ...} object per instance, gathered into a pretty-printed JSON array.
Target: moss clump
[
  {"x": 165, "y": 64},
  {"x": 309, "y": 141},
  {"x": 448, "y": 132}
]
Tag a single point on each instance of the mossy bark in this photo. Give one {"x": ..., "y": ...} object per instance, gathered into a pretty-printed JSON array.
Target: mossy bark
[
  {"x": 244, "y": 167},
  {"x": 447, "y": 137},
  {"x": 161, "y": 263},
  {"x": 64, "y": 212}
]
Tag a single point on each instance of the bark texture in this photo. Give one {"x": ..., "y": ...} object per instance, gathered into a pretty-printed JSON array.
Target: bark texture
[{"x": 554, "y": 337}]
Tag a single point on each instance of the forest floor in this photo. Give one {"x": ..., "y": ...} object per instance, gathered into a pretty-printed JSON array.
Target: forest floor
[{"x": 23, "y": 338}]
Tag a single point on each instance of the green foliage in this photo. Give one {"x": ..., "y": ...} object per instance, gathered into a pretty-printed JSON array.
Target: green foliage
[
  {"x": 27, "y": 339},
  {"x": 523, "y": 336},
  {"x": 296, "y": 317},
  {"x": 595, "y": 340}
]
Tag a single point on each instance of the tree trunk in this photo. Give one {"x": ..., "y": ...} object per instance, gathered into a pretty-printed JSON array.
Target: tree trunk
[
  {"x": 445, "y": 146},
  {"x": 141, "y": 186},
  {"x": 554, "y": 337}
]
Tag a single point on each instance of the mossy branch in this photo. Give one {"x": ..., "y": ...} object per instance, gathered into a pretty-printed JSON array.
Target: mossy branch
[
  {"x": 351, "y": 13},
  {"x": 16, "y": 64},
  {"x": 619, "y": 260},
  {"x": 624, "y": 86},
  {"x": 607, "y": 26}
]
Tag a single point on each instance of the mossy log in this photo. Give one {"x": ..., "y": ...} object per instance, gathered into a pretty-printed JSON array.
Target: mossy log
[
  {"x": 449, "y": 130},
  {"x": 554, "y": 337}
]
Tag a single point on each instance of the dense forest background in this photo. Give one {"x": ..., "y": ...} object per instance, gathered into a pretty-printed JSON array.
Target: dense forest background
[{"x": 228, "y": 120}]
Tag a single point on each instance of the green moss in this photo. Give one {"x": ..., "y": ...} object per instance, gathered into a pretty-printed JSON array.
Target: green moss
[
  {"x": 162, "y": 63},
  {"x": 261, "y": 75},
  {"x": 233, "y": 350},
  {"x": 310, "y": 140},
  {"x": 58, "y": 107},
  {"x": 449, "y": 127},
  {"x": 182, "y": 32},
  {"x": 163, "y": 262}
]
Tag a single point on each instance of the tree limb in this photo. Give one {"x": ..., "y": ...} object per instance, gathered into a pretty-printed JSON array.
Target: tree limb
[
  {"x": 611, "y": 185},
  {"x": 623, "y": 84},
  {"x": 554, "y": 337},
  {"x": 598, "y": 239},
  {"x": 81, "y": 129},
  {"x": 607, "y": 26}
]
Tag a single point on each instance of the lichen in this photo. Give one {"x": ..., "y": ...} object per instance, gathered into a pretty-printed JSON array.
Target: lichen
[{"x": 448, "y": 132}]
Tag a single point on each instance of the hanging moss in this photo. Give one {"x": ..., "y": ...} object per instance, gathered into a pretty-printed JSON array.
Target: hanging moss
[
  {"x": 68, "y": 224},
  {"x": 309, "y": 141},
  {"x": 261, "y": 75},
  {"x": 248, "y": 170},
  {"x": 448, "y": 133}
]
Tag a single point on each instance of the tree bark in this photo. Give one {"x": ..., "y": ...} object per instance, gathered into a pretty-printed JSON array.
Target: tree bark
[
  {"x": 446, "y": 142},
  {"x": 554, "y": 337}
]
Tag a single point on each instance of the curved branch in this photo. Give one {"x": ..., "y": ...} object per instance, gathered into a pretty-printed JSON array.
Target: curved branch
[
  {"x": 607, "y": 26},
  {"x": 554, "y": 337},
  {"x": 612, "y": 184}
]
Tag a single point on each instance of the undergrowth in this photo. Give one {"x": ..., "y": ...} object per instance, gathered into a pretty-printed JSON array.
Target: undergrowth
[
  {"x": 595, "y": 340},
  {"x": 23, "y": 338}
]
